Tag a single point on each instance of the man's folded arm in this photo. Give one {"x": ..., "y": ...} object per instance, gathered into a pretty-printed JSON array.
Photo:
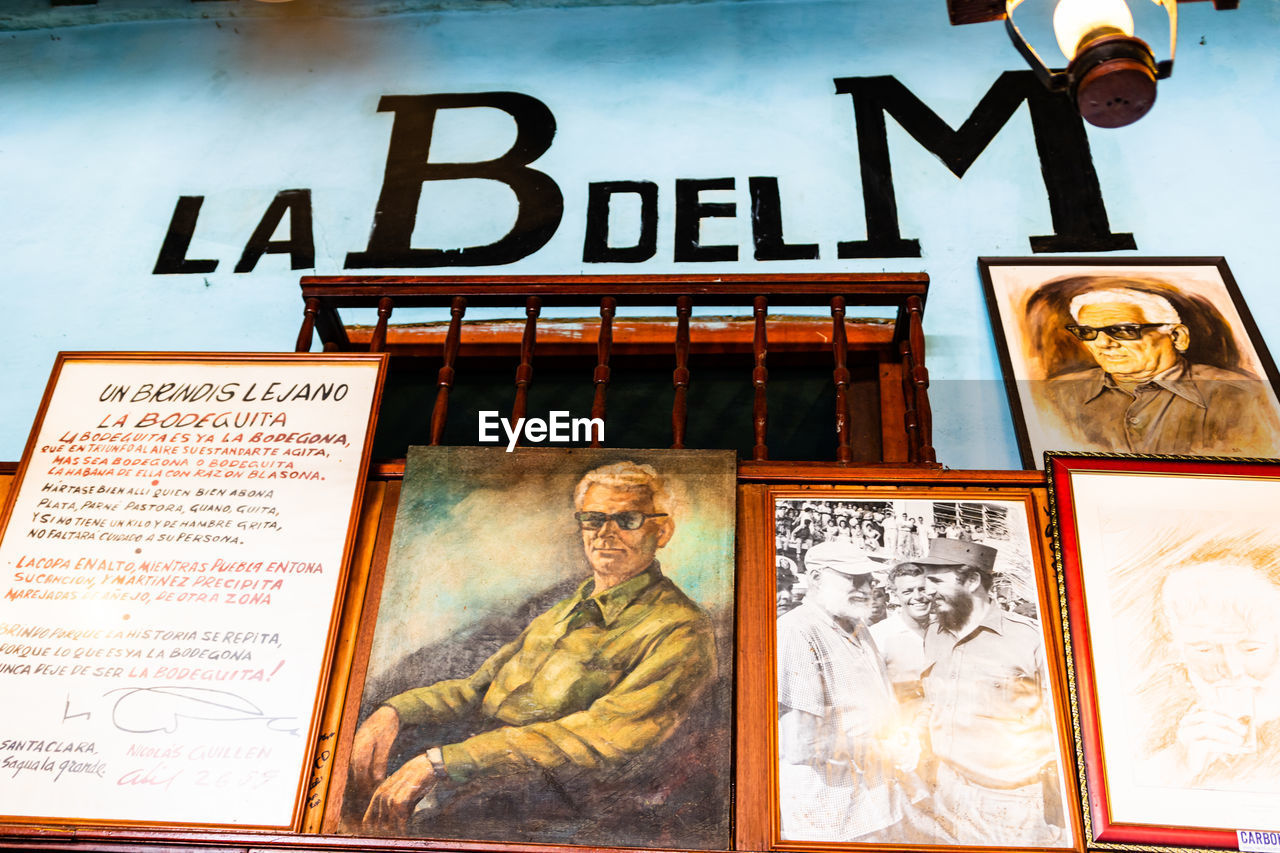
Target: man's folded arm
[
  {"x": 639, "y": 712},
  {"x": 454, "y": 699}
]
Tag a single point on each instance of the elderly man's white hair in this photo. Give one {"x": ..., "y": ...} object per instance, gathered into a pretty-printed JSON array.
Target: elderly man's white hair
[
  {"x": 628, "y": 476},
  {"x": 1154, "y": 307},
  {"x": 1220, "y": 586}
]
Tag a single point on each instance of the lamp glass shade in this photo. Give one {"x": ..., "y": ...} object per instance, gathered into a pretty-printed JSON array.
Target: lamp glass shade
[{"x": 1075, "y": 21}]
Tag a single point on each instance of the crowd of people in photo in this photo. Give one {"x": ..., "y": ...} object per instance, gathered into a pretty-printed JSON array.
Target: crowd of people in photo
[
  {"x": 884, "y": 534},
  {"x": 912, "y": 685}
]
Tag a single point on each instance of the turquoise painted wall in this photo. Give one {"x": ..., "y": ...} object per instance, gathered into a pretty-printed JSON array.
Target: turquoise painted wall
[{"x": 106, "y": 126}]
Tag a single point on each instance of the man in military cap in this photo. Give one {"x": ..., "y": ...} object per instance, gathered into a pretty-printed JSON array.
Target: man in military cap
[
  {"x": 989, "y": 721},
  {"x": 839, "y": 737}
]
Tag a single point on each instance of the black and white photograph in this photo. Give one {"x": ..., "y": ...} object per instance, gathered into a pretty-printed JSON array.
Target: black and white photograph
[{"x": 914, "y": 698}]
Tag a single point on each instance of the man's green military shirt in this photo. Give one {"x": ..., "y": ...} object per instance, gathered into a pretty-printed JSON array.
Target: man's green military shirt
[{"x": 593, "y": 680}]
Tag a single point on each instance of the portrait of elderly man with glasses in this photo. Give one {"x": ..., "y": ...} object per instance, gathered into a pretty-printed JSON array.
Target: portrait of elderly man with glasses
[
  {"x": 843, "y": 741},
  {"x": 1147, "y": 393},
  {"x": 601, "y": 677}
]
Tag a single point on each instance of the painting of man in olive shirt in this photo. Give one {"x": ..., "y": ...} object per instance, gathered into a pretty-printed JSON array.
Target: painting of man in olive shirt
[{"x": 591, "y": 690}]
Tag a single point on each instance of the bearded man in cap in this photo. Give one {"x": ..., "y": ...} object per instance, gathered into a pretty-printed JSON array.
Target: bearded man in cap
[
  {"x": 985, "y": 682},
  {"x": 838, "y": 718}
]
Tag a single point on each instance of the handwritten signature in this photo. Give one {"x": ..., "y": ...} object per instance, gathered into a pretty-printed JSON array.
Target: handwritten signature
[{"x": 143, "y": 710}]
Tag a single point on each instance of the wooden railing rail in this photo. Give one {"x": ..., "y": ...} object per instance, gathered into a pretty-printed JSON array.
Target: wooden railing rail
[{"x": 763, "y": 296}]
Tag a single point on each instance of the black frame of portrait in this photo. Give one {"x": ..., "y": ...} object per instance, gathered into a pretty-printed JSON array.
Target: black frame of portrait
[{"x": 1030, "y": 454}]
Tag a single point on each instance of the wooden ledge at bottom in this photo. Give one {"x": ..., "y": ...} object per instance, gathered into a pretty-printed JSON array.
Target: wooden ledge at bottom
[
  {"x": 806, "y": 472},
  {"x": 80, "y": 838}
]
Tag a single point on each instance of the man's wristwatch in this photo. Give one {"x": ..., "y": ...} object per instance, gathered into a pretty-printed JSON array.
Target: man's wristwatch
[{"x": 436, "y": 757}]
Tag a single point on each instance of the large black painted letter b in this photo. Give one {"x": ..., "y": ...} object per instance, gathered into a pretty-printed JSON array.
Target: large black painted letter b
[{"x": 540, "y": 204}]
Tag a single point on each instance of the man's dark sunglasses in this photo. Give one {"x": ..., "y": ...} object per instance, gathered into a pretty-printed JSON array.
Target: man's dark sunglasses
[
  {"x": 632, "y": 519},
  {"x": 1118, "y": 332}
]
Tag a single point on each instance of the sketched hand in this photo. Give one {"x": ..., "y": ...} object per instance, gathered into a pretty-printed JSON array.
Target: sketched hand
[
  {"x": 372, "y": 747},
  {"x": 395, "y": 798},
  {"x": 1207, "y": 735}
]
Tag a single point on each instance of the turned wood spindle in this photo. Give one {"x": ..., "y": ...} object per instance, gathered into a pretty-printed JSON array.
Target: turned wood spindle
[
  {"x": 680, "y": 376},
  {"x": 604, "y": 347},
  {"x": 920, "y": 378},
  {"x": 909, "y": 422},
  {"x": 378, "y": 341},
  {"x": 444, "y": 379},
  {"x": 307, "y": 331},
  {"x": 840, "y": 376},
  {"x": 524, "y": 373},
  {"x": 760, "y": 379}
]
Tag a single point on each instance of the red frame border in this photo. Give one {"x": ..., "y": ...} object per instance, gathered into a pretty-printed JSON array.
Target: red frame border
[{"x": 1058, "y": 468}]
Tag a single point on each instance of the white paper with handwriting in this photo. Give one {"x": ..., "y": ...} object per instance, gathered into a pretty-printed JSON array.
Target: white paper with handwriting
[{"x": 168, "y": 578}]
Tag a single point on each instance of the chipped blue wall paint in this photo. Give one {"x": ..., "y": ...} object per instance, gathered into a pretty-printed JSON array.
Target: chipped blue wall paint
[{"x": 106, "y": 126}]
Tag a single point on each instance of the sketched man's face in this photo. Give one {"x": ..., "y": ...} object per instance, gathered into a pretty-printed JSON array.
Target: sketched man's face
[
  {"x": 1223, "y": 623},
  {"x": 1221, "y": 634},
  {"x": 1217, "y": 651},
  {"x": 619, "y": 553},
  {"x": 1154, "y": 351}
]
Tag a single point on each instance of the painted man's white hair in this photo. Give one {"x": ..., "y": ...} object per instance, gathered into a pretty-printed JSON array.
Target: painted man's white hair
[
  {"x": 1154, "y": 307},
  {"x": 629, "y": 476}
]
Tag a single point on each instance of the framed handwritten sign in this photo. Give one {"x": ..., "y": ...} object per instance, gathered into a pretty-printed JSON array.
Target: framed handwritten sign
[{"x": 173, "y": 559}]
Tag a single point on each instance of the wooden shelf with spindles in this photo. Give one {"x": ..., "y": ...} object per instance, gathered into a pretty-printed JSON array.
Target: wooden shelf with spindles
[{"x": 810, "y": 320}]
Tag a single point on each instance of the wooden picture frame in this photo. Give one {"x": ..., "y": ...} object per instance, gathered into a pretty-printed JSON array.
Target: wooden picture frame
[
  {"x": 487, "y": 544},
  {"x": 763, "y": 800},
  {"x": 1170, "y": 592},
  {"x": 1198, "y": 381},
  {"x": 180, "y": 528}
]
